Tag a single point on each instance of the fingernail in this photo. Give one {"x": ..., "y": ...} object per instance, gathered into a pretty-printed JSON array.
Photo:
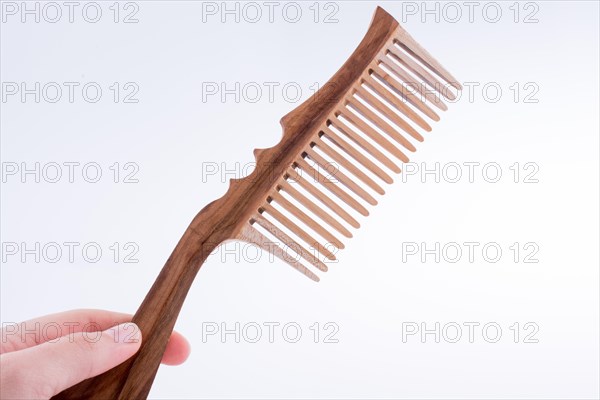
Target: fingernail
[{"x": 128, "y": 333}]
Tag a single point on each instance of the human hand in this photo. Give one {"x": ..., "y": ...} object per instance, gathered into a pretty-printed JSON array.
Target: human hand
[{"x": 42, "y": 357}]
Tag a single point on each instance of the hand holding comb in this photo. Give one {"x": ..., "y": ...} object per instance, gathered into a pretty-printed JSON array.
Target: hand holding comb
[{"x": 389, "y": 88}]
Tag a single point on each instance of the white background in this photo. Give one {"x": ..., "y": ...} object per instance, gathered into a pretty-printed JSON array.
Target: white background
[{"x": 172, "y": 135}]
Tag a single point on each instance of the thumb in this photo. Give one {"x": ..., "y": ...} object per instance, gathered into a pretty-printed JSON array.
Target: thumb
[{"x": 47, "y": 369}]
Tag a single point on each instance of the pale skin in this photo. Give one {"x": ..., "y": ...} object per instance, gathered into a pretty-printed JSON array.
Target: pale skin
[{"x": 36, "y": 362}]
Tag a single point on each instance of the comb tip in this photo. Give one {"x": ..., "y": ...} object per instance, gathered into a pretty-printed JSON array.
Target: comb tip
[
  {"x": 310, "y": 275},
  {"x": 381, "y": 11}
]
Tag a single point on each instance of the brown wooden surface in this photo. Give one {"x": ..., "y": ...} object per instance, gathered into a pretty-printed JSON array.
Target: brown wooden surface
[
  {"x": 337, "y": 124},
  {"x": 156, "y": 318}
]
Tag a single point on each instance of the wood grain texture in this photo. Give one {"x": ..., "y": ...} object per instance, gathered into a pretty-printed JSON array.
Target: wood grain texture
[
  {"x": 356, "y": 121},
  {"x": 156, "y": 318}
]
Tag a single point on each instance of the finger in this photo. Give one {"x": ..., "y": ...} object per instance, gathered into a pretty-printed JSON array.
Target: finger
[
  {"x": 178, "y": 350},
  {"x": 51, "y": 367},
  {"x": 49, "y": 327},
  {"x": 18, "y": 336}
]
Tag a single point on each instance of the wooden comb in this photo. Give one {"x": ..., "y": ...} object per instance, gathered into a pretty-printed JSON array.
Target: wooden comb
[{"x": 358, "y": 123}]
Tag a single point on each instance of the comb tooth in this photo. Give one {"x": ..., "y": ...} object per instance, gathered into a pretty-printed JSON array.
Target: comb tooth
[
  {"x": 298, "y": 248},
  {"x": 297, "y": 230},
  {"x": 345, "y": 197},
  {"x": 318, "y": 211},
  {"x": 408, "y": 43},
  {"x": 382, "y": 108},
  {"x": 381, "y": 124},
  {"x": 376, "y": 136},
  {"x": 395, "y": 54},
  {"x": 368, "y": 147},
  {"x": 344, "y": 162},
  {"x": 397, "y": 103},
  {"x": 311, "y": 223},
  {"x": 397, "y": 87},
  {"x": 387, "y": 128},
  {"x": 341, "y": 177},
  {"x": 418, "y": 86},
  {"x": 322, "y": 197},
  {"x": 371, "y": 166},
  {"x": 251, "y": 235}
]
